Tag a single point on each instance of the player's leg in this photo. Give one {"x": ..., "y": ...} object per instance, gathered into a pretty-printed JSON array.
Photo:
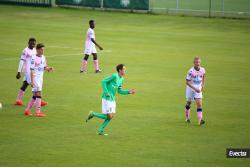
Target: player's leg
[
  {"x": 187, "y": 111},
  {"x": 109, "y": 109},
  {"x": 189, "y": 97},
  {"x": 38, "y": 104},
  {"x": 103, "y": 115},
  {"x": 30, "y": 105},
  {"x": 38, "y": 89},
  {"x": 93, "y": 114},
  {"x": 38, "y": 101},
  {"x": 84, "y": 63},
  {"x": 199, "y": 111},
  {"x": 105, "y": 124},
  {"x": 43, "y": 102},
  {"x": 96, "y": 63},
  {"x": 21, "y": 93},
  {"x": 26, "y": 82}
]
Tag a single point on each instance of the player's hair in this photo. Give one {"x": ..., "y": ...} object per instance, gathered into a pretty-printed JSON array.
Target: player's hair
[
  {"x": 32, "y": 39},
  {"x": 119, "y": 67},
  {"x": 197, "y": 58},
  {"x": 39, "y": 46},
  {"x": 91, "y": 21}
]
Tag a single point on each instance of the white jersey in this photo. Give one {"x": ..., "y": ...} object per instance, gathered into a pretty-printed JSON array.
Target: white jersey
[
  {"x": 26, "y": 58},
  {"x": 90, "y": 35},
  {"x": 196, "y": 77},
  {"x": 37, "y": 65}
]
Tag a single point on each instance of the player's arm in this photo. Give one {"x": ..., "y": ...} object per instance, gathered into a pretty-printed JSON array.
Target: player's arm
[
  {"x": 105, "y": 83},
  {"x": 122, "y": 91},
  {"x": 20, "y": 66},
  {"x": 32, "y": 77},
  {"x": 92, "y": 39},
  {"x": 125, "y": 92},
  {"x": 189, "y": 83},
  {"x": 203, "y": 83},
  {"x": 47, "y": 68}
]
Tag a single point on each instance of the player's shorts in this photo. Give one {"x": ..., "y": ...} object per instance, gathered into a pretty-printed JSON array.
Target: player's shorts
[
  {"x": 191, "y": 95},
  {"x": 108, "y": 107},
  {"x": 38, "y": 84},
  {"x": 26, "y": 77},
  {"x": 90, "y": 50}
]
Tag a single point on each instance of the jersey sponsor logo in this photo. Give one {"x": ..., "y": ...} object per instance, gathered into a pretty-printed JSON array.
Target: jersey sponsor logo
[
  {"x": 196, "y": 80},
  {"x": 32, "y": 61}
]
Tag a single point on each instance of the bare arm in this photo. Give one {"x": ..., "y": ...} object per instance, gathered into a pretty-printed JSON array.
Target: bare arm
[
  {"x": 92, "y": 39},
  {"x": 49, "y": 69},
  {"x": 203, "y": 83},
  {"x": 32, "y": 77}
]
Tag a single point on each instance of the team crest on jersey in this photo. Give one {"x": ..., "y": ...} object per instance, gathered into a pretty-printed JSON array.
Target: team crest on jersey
[{"x": 40, "y": 69}]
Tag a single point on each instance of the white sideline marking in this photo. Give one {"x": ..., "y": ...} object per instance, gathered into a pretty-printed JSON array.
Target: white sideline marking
[
  {"x": 59, "y": 55},
  {"x": 55, "y": 46},
  {"x": 63, "y": 47}
]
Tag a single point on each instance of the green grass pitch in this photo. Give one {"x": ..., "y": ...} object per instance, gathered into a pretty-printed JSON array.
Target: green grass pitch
[
  {"x": 148, "y": 129},
  {"x": 216, "y": 5}
]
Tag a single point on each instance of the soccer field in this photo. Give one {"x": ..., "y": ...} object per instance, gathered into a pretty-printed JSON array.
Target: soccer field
[
  {"x": 229, "y": 5},
  {"x": 148, "y": 129}
]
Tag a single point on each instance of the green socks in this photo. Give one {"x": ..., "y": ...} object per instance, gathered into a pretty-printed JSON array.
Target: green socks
[
  {"x": 105, "y": 122},
  {"x": 99, "y": 115},
  {"x": 103, "y": 125}
]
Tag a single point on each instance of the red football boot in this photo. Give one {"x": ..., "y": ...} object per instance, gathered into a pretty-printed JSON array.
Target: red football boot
[
  {"x": 19, "y": 103},
  {"x": 40, "y": 114}
]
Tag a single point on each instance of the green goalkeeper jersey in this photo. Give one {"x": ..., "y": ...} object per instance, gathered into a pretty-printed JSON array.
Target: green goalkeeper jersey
[{"x": 111, "y": 85}]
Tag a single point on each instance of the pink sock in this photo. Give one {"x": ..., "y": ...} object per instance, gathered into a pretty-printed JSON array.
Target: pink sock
[
  {"x": 84, "y": 64},
  {"x": 187, "y": 113},
  {"x": 32, "y": 101},
  {"x": 96, "y": 64},
  {"x": 20, "y": 94},
  {"x": 199, "y": 115},
  {"x": 38, "y": 104}
]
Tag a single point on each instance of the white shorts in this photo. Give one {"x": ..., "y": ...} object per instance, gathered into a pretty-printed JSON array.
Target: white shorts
[
  {"x": 108, "y": 107},
  {"x": 191, "y": 95},
  {"x": 38, "y": 84},
  {"x": 90, "y": 50},
  {"x": 26, "y": 77}
]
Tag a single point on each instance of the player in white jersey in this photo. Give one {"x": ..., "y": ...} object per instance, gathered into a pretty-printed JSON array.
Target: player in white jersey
[
  {"x": 195, "y": 82},
  {"x": 37, "y": 67},
  {"x": 24, "y": 66},
  {"x": 90, "y": 48}
]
